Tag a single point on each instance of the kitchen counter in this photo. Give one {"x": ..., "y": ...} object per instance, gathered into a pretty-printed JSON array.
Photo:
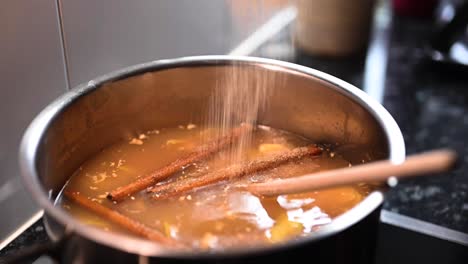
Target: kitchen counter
[{"x": 429, "y": 103}]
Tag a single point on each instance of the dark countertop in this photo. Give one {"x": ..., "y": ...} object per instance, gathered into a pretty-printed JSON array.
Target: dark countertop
[
  {"x": 430, "y": 104},
  {"x": 35, "y": 234}
]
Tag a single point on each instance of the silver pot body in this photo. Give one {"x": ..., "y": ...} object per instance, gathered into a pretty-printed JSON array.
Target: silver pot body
[{"x": 171, "y": 92}]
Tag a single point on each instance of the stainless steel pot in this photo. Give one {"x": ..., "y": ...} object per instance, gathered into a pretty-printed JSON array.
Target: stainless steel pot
[{"x": 170, "y": 92}]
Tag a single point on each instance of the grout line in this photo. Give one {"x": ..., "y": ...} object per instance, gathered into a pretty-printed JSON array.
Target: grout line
[
  {"x": 66, "y": 65},
  {"x": 265, "y": 32},
  {"x": 27, "y": 224},
  {"x": 423, "y": 227}
]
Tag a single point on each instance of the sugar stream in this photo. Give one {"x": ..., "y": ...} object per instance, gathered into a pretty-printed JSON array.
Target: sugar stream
[{"x": 239, "y": 96}]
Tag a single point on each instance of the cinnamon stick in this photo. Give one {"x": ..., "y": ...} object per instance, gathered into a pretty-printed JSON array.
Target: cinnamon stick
[
  {"x": 177, "y": 165},
  {"x": 122, "y": 220},
  {"x": 236, "y": 171}
]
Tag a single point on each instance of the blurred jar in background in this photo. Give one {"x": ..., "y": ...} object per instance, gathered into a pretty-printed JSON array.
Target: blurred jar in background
[{"x": 333, "y": 27}]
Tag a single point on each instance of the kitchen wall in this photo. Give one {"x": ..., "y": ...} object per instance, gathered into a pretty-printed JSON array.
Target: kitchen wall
[
  {"x": 31, "y": 75},
  {"x": 101, "y": 36}
]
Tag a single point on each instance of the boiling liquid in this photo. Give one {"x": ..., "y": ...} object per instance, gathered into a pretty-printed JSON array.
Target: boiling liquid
[{"x": 216, "y": 216}]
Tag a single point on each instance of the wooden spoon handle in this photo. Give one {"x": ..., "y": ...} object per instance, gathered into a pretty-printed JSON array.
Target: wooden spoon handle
[{"x": 414, "y": 165}]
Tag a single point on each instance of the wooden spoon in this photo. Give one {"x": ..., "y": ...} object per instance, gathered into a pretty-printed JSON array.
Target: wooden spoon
[{"x": 415, "y": 165}]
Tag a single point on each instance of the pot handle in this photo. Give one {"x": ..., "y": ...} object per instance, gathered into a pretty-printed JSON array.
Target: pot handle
[{"x": 29, "y": 254}]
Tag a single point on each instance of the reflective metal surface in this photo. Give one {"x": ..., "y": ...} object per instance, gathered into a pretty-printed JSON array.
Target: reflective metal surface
[{"x": 170, "y": 92}]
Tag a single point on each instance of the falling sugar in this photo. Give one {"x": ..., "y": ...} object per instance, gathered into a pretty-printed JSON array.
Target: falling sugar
[{"x": 240, "y": 95}]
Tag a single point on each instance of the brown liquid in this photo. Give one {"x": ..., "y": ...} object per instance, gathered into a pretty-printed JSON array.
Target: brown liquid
[{"x": 215, "y": 216}]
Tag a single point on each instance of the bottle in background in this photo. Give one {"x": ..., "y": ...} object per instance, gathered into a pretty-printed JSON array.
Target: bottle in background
[{"x": 333, "y": 27}]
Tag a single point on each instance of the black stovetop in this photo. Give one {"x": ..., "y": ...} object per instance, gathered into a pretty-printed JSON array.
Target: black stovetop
[{"x": 430, "y": 104}]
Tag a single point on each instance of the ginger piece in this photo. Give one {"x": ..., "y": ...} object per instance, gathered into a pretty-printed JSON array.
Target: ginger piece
[
  {"x": 272, "y": 148},
  {"x": 136, "y": 141},
  {"x": 208, "y": 241},
  {"x": 174, "y": 141},
  {"x": 284, "y": 229},
  {"x": 169, "y": 230}
]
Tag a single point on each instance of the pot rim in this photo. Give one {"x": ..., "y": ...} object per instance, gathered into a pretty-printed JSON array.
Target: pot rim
[{"x": 38, "y": 127}]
